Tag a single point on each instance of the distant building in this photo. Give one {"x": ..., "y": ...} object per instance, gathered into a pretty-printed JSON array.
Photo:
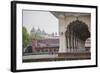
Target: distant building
[
  {"x": 32, "y": 30},
  {"x": 49, "y": 46},
  {"x": 42, "y": 33}
]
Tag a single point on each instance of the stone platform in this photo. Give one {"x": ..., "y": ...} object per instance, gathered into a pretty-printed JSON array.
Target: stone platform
[
  {"x": 84, "y": 55},
  {"x": 61, "y": 57}
]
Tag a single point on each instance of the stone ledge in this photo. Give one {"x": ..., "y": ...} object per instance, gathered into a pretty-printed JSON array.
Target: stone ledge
[{"x": 75, "y": 55}]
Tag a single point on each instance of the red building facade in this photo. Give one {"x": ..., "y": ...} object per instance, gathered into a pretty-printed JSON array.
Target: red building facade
[{"x": 45, "y": 46}]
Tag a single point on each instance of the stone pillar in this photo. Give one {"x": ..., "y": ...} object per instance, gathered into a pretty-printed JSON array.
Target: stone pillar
[
  {"x": 66, "y": 35},
  {"x": 78, "y": 45},
  {"x": 72, "y": 40},
  {"x": 74, "y": 43},
  {"x": 62, "y": 23},
  {"x": 68, "y": 49}
]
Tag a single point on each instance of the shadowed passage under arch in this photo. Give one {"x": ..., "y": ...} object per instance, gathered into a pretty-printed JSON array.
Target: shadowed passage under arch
[{"x": 76, "y": 34}]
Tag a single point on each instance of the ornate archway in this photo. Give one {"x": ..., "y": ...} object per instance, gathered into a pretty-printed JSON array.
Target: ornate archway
[{"x": 76, "y": 34}]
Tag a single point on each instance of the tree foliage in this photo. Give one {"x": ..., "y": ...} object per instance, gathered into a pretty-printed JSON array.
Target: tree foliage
[{"x": 26, "y": 37}]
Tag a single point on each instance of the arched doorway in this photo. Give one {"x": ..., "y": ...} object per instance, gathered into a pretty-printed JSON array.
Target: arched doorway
[
  {"x": 76, "y": 34},
  {"x": 28, "y": 49}
]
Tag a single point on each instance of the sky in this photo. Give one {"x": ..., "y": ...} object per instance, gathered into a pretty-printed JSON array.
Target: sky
[{"x": 40, "y": 19}]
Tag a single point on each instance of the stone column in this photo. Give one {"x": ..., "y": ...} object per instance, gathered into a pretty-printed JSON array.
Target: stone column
[
  {"x": 66, "y": 35},
  {"x": 77, "y": 45},
  {"x": 68, "y": 49},
  {"x": 62, "y": 23},
  {"x": 74, "y": 43}
]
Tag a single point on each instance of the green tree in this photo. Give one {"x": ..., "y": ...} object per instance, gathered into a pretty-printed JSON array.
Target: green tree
[{"x": 26, "y": 37}]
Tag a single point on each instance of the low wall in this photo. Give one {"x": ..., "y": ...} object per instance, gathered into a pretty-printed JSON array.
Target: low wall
[
  {"x": 56, "y": 57},
  {"x": 39, "y": 56},
  {"x": 75, "y": 55}
]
